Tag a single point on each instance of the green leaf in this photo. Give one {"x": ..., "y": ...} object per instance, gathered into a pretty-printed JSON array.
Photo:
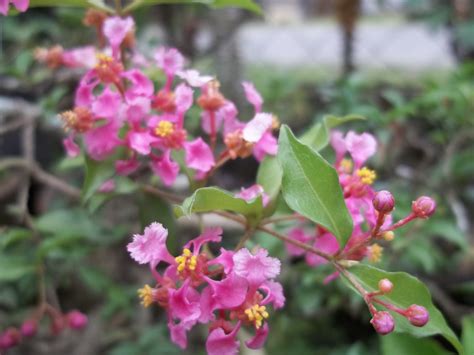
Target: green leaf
[
  {"x": 244, "y": 4},
  {"x": 123, "y": 186},
  {"x": 208, "y": 199},
  {"x": 67, "y": 222},
  {"x": 14, "y": 235},
  {"x": 317, "y": 137},
  {"x": 396, "y": 344},
  {"x": 407, "y": 290},
  {"x": 311, "y": 186},
  {"x": 14, "y": 268},
  {"x": 99, "y": 4},
  {"x": 97, "y": 172},
  {"x": 468, "y": 334},
  {"x": 269, "y": 176}
]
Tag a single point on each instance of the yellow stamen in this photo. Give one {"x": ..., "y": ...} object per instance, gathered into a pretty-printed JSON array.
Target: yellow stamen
[
  {"x": 164, "y": 129},
  {"x": 146, "y": 295},
  {"x": 375, "y": 253},
  {"x": 367, "y": 176},
  {"x": 186, "y": 260},
  {"x": 257, "y": 314}
]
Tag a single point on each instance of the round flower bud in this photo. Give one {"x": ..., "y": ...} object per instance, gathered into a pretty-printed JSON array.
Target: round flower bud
[
  {"x": 29, "y": 328},
  {"x": 76, "y": 319},
  {"x": 385, "y": 286},
  {"x": 10, "y": 338},
  {"x": 388, "y": 236},
  {"x": 383, "y": 201},
  {"x": 417, "y": 315},
  {"x": 383, "y": 322},
  {"x": 423, "y": 207}
]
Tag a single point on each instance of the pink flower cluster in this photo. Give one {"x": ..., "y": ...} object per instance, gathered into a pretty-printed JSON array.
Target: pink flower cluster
[
  {"x": 119, "y": 107},
  {"x": 226, "y": 292},
  {"x": 20, "y": 5}
]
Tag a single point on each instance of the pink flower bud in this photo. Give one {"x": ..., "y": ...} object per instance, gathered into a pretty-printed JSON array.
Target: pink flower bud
[
  {"x": 29, "y": 328},
  {"x": 383, "y": 322},
  {"x": 423, "y": 207},
  {"x": 385, "y": 286},
  {"x": 417, "y": 315},
  {"x": 76, "y": 319},
  {"x": 10, "y": 338},
  {"x": 383, "y": 201}
]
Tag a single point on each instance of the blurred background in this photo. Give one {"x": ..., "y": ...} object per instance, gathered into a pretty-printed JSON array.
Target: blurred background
[{"x": 403, "y": 64}]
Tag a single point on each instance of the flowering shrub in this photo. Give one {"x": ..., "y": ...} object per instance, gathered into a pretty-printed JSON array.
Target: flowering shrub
[{"x": 123, "y": 116}]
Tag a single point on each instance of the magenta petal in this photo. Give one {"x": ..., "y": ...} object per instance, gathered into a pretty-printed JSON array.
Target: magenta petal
[
  {"x": 185, "y": 303},
  {"x": 225, "y": 259},
  {"x": 72, "y": 149},
  {"x": 21, "y": 5},
  {"x": 142, "y": 85},
  {"x": 116, "y": 28},
  {"x": 209, "y": 235},
  {"x": 255, "y": 268},
  {"x": 268, "y": 145},
  {"x": 4, "y": 4},
  {"x": 178, "y": 333},
  {"x": 102, "y": 141},
  {"x": 165, "y": 168},
  {"x": 220, "y": 343},
  {"x": 253, "y": 96},
  {"x": 208, "y": 305},
  {"x": 259, "y": 339},
  {"x": 275, "y": 294},
  {"x": 300, "y": 235},
  {"x": 169, "y": 59},
  {"x": 339, "y": 144},
  {"x": 360, "y": 146},
  {"x": 140, "y": 142},
  {"x": 184, "y": 98},
  {"x": 326, "y": 243},
  {"x": 126, "y": 167},
  {"x": 107, "y": 104},
  {"x": 199, "y": 155},
  {"x": 230, "y": 292}
]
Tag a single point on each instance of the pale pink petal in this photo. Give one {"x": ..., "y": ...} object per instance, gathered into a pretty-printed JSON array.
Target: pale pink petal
[
  {"x": 257, "y": 127},
  {"x": 165, "y": 168},
  {"x": 169, "y": 59},
  {"x": 268, "y": 145},
  {"x": 206, "y": 121},
  {"x": 259, "y": 339},
  {"x": 199, "y": 155},
  {"x": 193, "y": 78},
  {"x": 360, "y": 146},
  {"x": 229, "y": 292},
  {"x": 72, "y": 149},
  {"x": 107, "y": 186},
  {"x": 339, "y": 144},
  {"x": 251, "y": 193},
  {"x": 184, "y": 98},
  {"x": 85, "y": 57},
  {"x": 116, "y": 29},
  {"x": 253, "y": 96},
  {"x": 150, "y": 247},
  {"x": 255, "y": 268},
  {"x": 220, "y": 343}
]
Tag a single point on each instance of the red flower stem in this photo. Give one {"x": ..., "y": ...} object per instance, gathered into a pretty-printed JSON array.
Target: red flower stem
[
  {"x": 390, "y": 306},
  {"x": 399, "y": 224},
  {"x": 212, "y": 119}
]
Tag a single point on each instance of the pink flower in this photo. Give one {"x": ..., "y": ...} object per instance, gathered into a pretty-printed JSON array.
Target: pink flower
[
  {"x": 140, "y": 141},
  {"x": 165, "y": 168},
  {"x": 339, "y": 144},
  {"x": 194, "y": 78},
  {"x": 151, "y": 246},
  {"x": 326, "y": 243},
  {"x": 141, "y": 84},
  {"x": 257, "y": 127},
  {"x": 300, "y": 235},
  {"x": 253, "y": 96},
  {"x": 116, "y": 29},
  {"x": 360, "y": 146},
  {"x": 275, "y": 294},
  {"x": 85, "y": 57},
  {"x": 72, "y": 149},
  {"x": 184, "y": 98},
  {"x": 126, "y": 167},
  {"x": 137, "y": 108},
  {"x": 169, "y": 59},
  {"x": 255, "y": 268},
  {"x": 101, "y": 141},
  {"x": 21, "y": 5},
  {"x": 268, "y": 145},
  {"x": 229, "y": 292},
  {"x": 107, "y": 104},
  {"x": 199, "y": 155},
  {"x": 220, "y": 343},
  {"x": 185, "y": 303},
  {"x": 178, "y": 333},
  {"x": 251, "y": 193},
  {"x": 259, "y": 339}
]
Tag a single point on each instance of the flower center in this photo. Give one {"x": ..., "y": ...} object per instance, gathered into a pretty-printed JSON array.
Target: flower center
[
  {"x": 346, "y": 165},
  {"x": 146, "y": 295},
  {"x": 186, "y": 261},
  {"x": 164, "y": 129},
  {"x": 257, "y": 314},
  {"x": 79, "y": 120},
  {"x": 367, "y": 176},
  {"x": 375, "y": 253}
]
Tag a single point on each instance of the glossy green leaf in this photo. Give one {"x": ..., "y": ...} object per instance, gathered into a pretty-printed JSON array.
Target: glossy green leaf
[
  {"x": 311, "y": 186},
  {"x": 208, "y": 199},
  {"x": 468, "y": 334},
  {"x": 397, "y": 343},
  {"x": 270, "y": 175},
  {"x": 69, "y": 222},
  {"x": 244, "y": 4},
  {"x": 99, "y": 4},
  {"x": 14, "y": 235},
  {"x": 407, "y": 290},
  {"x": 317, "y": 137}
]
